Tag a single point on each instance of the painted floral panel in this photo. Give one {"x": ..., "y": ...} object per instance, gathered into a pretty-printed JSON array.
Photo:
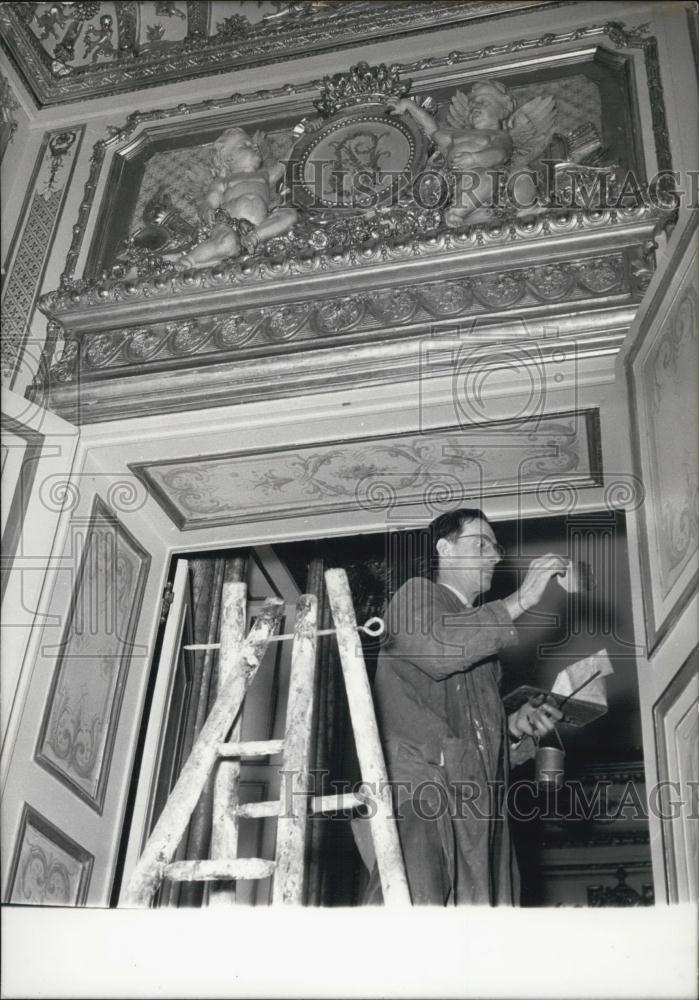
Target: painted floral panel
[
  {"x": 83, "y": 707},
  {"x": 49, "y": 868},
  {"x": 438, "y": 468}
]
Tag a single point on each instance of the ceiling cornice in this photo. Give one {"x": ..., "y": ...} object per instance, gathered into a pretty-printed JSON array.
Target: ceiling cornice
[{"x": 56, "y": 69}]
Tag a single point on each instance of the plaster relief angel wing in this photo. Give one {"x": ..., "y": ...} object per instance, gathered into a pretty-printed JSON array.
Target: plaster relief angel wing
[
  {"x": 197, "y": 177},
  {"x": 274, "y": 149},
  {"x": 261, "y": 140},
  {"x": 531, "y": 128},
  {"x": 458, "y": 113}
]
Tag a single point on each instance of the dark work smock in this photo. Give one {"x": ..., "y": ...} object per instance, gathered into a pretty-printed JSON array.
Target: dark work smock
[{"x": 444, "y": 732}]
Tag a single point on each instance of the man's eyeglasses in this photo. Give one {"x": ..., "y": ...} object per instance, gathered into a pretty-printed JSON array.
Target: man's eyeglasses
[{"x": 484, "y": 545}]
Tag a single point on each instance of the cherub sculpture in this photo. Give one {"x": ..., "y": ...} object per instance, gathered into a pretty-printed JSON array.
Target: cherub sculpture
[
  {"x": 486, "y": 138},
  {"x": 240, "y": 204}
]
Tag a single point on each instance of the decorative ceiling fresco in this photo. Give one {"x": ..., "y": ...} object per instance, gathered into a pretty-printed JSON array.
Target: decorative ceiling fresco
[
  {"x": 71, "y": 51},
  {"x": 439, "y": 468}
]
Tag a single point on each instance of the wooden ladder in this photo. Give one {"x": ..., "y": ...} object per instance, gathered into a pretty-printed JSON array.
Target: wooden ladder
[{"x": 239, "y": 660}]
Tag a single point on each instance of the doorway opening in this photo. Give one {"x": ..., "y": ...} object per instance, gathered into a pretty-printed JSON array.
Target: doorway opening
[{"x": 596, "y": 856}]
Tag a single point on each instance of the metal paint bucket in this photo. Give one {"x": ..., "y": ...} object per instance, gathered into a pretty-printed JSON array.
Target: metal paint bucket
[{"x": 550, "y": 766}]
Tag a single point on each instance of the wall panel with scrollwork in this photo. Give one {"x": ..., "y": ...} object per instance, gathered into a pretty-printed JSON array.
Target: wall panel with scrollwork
[
  {"x": 661, "y": 373},
  {"x": 48, "y": 868},
  {"x": 82, "y": 711},
  {"x": 675, "y": 719},
  {"x": 439, "y": 469}
]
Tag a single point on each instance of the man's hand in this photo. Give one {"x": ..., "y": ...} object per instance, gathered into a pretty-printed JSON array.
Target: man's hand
[
  {"x": 535, "y": 582},
  {"x": 530, "y": 720}
]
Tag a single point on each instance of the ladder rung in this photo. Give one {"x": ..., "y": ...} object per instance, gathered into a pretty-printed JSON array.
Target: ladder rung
[
  {"x": 210, "y": 871},
  {"x": 320, "y": 804},
  {"x": 251, "y": 748},
  {"x": 335, "y": 803},
  {"x": 259, "y": 810}
]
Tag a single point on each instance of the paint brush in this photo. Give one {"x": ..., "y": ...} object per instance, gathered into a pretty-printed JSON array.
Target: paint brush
[{"x": 579, "y": 688}]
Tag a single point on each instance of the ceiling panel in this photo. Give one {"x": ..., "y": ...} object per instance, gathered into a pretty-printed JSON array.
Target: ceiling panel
[{"x": 77, "y": 50}]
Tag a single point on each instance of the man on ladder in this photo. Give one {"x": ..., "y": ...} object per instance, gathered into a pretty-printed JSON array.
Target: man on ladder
[{"x": 445, "y": 732}]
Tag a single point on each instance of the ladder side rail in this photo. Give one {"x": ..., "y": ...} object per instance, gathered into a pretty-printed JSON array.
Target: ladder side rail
[
  {"x": 389, "y": 856},
  {"x": 291, "y": 825},
  {"x": 173, "y": 820},
  {"x": 224, "y": 828}
]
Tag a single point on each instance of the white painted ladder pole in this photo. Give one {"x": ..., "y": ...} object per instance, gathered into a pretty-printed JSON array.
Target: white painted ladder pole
[
  {"x": 389, "y": 857},
  {"x": 291, "y": 827},
  {"x": 168, "y": 831},
  {"x": 224, "y": 825}
]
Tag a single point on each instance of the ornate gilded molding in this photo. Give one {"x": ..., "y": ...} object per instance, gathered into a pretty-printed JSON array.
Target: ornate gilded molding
[
  {"x": 9, "y": 106},
  {"x": 591, "y": 336},
  {"x": 363, "y": 280},
  {"x": 617, "y": 34},
  {"x": 31, "y": 249},
  {"x": 376, "y": 166},
  {"x": 55, "y": 74},
  {"x": 100, "y": 294},
  {"x": 350, "y": 319},
  {"x": 362, "y": 315}
]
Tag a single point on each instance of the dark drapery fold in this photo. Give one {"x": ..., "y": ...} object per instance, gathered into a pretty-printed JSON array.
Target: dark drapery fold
[
  {"x": 207, "y": 581},
  {"x": 322, "y": 739}
]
